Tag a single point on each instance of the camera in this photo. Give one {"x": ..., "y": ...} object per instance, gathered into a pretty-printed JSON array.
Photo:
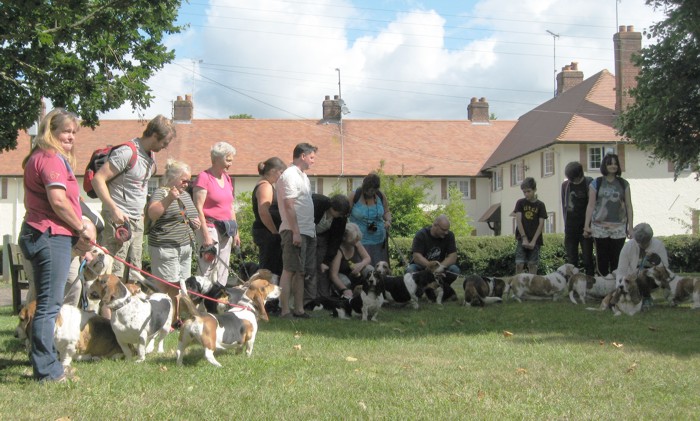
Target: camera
[{"x": 372, "y": 227}]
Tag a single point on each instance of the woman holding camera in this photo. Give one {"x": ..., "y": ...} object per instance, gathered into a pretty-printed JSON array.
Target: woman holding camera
[
  {"x": 173, "y": 220},
  {"x": 370, "y": 211}
]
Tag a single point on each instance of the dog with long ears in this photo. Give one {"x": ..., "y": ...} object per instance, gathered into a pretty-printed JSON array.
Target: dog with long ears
[
  {"x": 78, "y": 334},
  {"x": 586, "y": 286},
  {"x": 247, "y": 290},
  {"x": 480, "y": 290},
  {"x": 236, "y": 328},
  {"x": 403, "y": 289},
  {"x": 678, "y": 289},
  {"x": 143, "y": 323},
  {"x": 624, "y": 299},
  {"x": 367, "y": 299},
  {"x": 537, "y": 287}
]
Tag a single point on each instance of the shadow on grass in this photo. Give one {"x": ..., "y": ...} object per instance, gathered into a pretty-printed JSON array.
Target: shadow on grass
[{"x": 664, "y": 329}]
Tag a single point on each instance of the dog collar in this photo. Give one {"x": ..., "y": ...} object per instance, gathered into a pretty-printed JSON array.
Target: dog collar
[
  {"x": 120, "y": 304},
  {"x": 247, "y": 303}
]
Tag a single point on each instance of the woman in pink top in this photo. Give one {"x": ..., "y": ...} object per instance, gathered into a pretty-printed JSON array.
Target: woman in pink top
[
  {"x": 213, "y": 198},
  {"x": 52, "y": 224}
]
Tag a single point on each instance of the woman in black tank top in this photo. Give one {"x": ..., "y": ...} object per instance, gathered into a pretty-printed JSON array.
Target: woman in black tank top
[{"x": 267, "y": 217}]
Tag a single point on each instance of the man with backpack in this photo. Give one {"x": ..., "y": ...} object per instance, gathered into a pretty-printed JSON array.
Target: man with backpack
[
  {"x": 122, "y": 186},
  {"x": 574, "y": 201}
]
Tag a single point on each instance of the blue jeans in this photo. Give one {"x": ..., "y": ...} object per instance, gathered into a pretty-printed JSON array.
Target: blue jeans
[
  {"x": 50, "y": 256},
  {"x": 414, "y": 267}
]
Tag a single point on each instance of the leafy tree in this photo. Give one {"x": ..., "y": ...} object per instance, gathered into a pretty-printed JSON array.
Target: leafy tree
[
  {"x": 245, "y": 219},
  {"x": 455, "y": 211},
  {"x": 665, "y": 118},
  {"x": 406, "y": 196},
  {"x": 240, "y": 117},
  {"x": 89, "y": 56}
]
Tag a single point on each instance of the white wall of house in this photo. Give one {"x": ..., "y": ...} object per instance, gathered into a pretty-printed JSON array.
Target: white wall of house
[{"x": 656, "y": 198}]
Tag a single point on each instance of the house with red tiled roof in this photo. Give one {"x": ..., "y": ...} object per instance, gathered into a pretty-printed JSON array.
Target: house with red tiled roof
[
  {"x": 443, "y": 152},
  {"x": 578, "y": 124}
]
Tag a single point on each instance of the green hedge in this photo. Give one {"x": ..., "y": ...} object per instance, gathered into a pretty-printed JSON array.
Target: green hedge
[{"x": 495, "y": 256}]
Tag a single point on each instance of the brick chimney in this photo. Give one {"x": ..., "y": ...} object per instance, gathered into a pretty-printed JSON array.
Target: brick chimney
[
  {"x": 183, "y": 110},
  {"x": 569, "y": 77},
  {"x": 627, "y": 43},
  {"x": 332, "y": 109},
  {"x": 478, "y": 111}
]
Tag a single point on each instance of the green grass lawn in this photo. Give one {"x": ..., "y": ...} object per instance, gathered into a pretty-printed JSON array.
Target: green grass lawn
[{"x": 437, "y": 363}]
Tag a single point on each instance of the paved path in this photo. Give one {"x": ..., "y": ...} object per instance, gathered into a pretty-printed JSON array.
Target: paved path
[{"x": 6, "y": 294}]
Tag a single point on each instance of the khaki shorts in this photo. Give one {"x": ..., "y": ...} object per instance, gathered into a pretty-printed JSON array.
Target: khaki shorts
[{"x": 298, "y": 259}]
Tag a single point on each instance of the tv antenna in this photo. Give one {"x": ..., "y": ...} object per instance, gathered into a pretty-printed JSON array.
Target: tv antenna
[{"x": 554, "y": 40}]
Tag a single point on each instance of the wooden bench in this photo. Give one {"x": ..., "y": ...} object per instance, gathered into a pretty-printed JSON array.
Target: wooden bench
[{"x": 19, "y": 276}]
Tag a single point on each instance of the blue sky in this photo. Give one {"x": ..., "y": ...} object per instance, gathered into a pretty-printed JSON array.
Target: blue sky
[{"x": 397, "y": 59}]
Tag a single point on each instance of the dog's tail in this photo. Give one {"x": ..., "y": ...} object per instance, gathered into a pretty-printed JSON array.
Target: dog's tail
[
  {"x": 491, "y": 300},
  {"x": 328, "y": 303},
  {"x": 572, "y": 296},
  {"x": 190, "y": 309}
]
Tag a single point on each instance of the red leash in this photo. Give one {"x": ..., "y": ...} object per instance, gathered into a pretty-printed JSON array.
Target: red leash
[{"x": 150, "y": 275}]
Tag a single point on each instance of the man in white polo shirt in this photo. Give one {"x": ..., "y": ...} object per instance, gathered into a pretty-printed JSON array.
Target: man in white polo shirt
[{"x": 298, "y": 230}]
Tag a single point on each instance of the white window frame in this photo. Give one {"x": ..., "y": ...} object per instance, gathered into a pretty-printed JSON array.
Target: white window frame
[
  {"x": 517, "y": 173},
  {"x": 497, "y": 180},
  {"x": 600, "y": 152},
  {"x": 550, "y": 223},
  {"x": 153, "y": 184},
  {"x": 314, "y": 185},
  {"x": 548, "y": 163},
  {"x": 464, "y": 187}
]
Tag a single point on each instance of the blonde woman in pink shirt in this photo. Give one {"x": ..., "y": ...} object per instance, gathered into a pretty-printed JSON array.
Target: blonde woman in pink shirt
[{"x": 213, "y": 198}]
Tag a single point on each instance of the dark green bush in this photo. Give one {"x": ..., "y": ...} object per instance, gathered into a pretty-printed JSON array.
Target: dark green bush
[{"x": 495, "y": 256}]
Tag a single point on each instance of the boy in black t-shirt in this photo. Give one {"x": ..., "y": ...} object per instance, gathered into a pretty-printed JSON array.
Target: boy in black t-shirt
[
  {"x": 574, "y": 200},
  {"x": 530, "y": 214}
]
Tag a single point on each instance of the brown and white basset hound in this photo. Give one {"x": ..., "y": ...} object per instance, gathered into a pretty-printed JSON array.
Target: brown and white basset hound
[
  {"x": 678, "y": 288},
  {"x": 137, "y": 320},
  {"x": 480, "y": 290},
  {"x": 623, "y": 299},
  {"x": 78, "y": 334},
  {"x": 537, "y": 287},
  {"x": 236, "y": 328},
  {"x": 594, "y": 287}
]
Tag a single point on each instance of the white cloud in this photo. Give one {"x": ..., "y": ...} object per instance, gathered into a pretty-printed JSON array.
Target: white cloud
[{"x": 276, "y": 59}]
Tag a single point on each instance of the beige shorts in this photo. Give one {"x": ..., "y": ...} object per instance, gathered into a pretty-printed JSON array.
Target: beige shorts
[{"x": 298, "y": 259}]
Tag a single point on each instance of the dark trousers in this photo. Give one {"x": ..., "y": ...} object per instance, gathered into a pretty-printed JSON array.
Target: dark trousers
[
  {"x": 608, "y": 253},
  {"x": 571, "y": 245},
  {"x": 270, "y": 250}
]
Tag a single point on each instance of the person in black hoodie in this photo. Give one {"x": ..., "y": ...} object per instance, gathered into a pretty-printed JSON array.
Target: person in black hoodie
[{"x": 330, "y": 217}]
